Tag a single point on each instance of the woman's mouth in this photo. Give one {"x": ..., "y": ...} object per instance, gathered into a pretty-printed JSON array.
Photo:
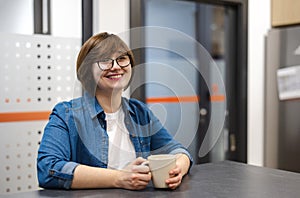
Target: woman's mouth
[{"x": 114, "y": 76}]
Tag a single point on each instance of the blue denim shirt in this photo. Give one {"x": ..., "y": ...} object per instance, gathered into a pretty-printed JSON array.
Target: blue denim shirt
[{"x": 76, "y": 134}]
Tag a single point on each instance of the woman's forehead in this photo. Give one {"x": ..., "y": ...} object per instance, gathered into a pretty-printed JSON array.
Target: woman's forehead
[{"x": 110, "y": 53}]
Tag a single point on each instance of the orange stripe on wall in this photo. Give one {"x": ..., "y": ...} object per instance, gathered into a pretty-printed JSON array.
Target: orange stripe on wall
[
  {"x": 44, "y": 115},
  {"x": 24, "y": 116},
  {"x": 173, "y": 99},
  {"x": 217, "y": 98},
  {"x": 213, "y": 98}
]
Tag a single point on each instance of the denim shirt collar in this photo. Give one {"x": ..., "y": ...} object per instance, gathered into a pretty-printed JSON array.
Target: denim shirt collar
[{"x": 95, "y": 108}]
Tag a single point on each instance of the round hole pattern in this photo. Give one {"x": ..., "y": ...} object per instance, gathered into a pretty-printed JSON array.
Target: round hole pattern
[{"x": 19, "y": 161}]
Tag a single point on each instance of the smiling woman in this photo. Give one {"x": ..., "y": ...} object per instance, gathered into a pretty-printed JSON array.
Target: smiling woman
[
  {"x": 116, "y": 76},
  {"x": 97, "y": 51},
  {"x": 101, "y": 139}
]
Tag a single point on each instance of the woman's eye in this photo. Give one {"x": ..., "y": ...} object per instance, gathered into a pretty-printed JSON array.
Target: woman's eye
[
  {"x": 121, "y": 58},
  {"x": 105, "y": 61}
]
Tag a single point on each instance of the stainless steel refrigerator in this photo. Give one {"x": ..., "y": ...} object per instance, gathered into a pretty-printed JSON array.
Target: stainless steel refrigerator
[{"x": 282, "y": 99}]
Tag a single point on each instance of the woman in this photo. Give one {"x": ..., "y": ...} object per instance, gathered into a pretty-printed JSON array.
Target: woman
[{"x": 101, "y": 139}]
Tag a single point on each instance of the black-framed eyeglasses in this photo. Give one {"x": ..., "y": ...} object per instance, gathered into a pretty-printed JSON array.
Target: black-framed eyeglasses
[{"x": 107, "y": 63}]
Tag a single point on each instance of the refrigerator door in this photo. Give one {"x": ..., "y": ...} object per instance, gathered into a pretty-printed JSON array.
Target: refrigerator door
[{"x": 282, "y": 126}]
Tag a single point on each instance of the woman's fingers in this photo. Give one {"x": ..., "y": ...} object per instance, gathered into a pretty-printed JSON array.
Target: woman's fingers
[
  {"x": 175, "y": 171},
  {"x": 141, "y": 177},
  {"x": 140, "y": 181},
  {"x": 174, "y": 182},
  {"x": 140, "y": 169},
  {"x": 134, "y": 181},
  {"x": 175, "y": 178},
  {"x": 138, "y": 161}
]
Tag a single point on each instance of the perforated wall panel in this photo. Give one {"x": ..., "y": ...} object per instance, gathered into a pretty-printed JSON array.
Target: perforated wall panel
[
  {"x": 19, "y": 144},
  {"x": 36, "y": 72}
]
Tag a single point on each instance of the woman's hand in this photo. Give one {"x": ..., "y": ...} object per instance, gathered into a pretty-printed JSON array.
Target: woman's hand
[
  {"x": 176, "y": 174},
  {"x": 175, "y": 178},
  {"x": 134, "y": 176}
]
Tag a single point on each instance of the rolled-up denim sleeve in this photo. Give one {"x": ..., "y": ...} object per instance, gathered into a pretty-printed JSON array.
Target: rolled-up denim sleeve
[
  {"x": 183, "y": 151},
  {"x": 54, "y": 168},
  {"x": 66, "y": 175}
]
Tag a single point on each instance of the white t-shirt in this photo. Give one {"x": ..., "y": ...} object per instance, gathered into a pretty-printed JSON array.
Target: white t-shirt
[{"x": 121, "y": 150}]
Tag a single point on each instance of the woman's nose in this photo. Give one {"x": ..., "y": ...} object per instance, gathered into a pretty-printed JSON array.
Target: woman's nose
[{"x": 115, "y": 65}]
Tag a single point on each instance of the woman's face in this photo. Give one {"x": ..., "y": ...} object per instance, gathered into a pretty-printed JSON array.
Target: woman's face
[{"x": 114, "y": 79}]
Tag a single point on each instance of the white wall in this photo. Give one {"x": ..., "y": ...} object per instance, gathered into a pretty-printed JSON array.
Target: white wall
[
  {"x": 66, "y": 18},
  {"x": 16, "y": 16},
  {"x": 258, "y": 25},
  {"x": 111, "y": 16}
]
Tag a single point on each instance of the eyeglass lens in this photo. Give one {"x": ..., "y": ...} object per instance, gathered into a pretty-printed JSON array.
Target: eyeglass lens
[{"x": 122, "y": 61}]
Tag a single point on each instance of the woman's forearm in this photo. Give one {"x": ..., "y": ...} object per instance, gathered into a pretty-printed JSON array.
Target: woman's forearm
[{"x": 93, "y": 177}]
